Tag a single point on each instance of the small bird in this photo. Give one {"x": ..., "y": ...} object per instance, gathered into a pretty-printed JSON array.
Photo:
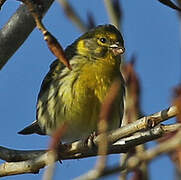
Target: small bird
[{"x": 74, "y": 97}]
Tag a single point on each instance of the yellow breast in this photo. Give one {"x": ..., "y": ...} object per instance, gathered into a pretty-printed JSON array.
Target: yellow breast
[{"x": 81, "y": 100}]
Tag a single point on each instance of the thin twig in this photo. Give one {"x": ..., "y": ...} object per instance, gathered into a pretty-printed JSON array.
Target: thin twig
[
  {"x": 72, "y": 15},
  {"x": 51, "y": 41},
  {"x": 1, "y": 3},
  {"x": 16, "y": 31},
  {"x": 105, "y": 118},
  {"x": 112, "y": 13},
  {"x": 132, "y": 113},
  {"x": 49, "y": 171},
  {"x": 54, "y": 144}
]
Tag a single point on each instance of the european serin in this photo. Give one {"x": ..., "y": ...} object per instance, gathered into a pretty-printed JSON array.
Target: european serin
[{"x": 75, "y": 96}]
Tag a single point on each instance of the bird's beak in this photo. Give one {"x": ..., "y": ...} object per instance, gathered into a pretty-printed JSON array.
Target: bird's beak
[{"x": 117, "y": 49}]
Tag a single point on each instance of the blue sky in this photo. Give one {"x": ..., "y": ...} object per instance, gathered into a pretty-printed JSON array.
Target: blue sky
[{"x": 151, "y": 31}]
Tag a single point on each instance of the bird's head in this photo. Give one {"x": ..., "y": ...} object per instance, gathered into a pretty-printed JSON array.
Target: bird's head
[{"x": 99, "y": 42}]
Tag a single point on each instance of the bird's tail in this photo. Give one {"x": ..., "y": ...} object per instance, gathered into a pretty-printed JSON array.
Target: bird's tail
[{"x": 33, "y": 128}]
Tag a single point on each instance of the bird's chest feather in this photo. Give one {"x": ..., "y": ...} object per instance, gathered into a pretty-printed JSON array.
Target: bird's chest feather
[
  {"x": 91, "y": 87},
  {"x": 82, "y": 99},
  {"x": 95, "y": 79}
]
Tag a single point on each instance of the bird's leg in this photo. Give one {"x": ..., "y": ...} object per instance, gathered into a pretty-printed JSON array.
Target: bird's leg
[
  {"x": 89, "y": 141},
  {"x": 60, "y": 149}
]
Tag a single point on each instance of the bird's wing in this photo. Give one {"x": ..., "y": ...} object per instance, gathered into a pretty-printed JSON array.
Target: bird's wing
[
  {"x": 33, "y": 128},
  {"x": 56, "y": 67},
  {"x": 55, "y": 70}
]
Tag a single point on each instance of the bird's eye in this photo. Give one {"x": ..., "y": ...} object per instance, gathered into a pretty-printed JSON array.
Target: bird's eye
[{"x": 103, "y": 40}]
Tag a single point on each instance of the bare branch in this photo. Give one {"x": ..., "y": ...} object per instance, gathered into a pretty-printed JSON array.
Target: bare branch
[
  {"x": 11, "y": 155},
  {"x": 29, "y": 166},
  {"x": 32, "y": 161},
  {"x": 134, "y": 161},
  {"x": 73, "y": 150},
  {"x": 41, "y": 158},
  {"x": 142, "y": 123},
  {"x": 16, "y": 31}
]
